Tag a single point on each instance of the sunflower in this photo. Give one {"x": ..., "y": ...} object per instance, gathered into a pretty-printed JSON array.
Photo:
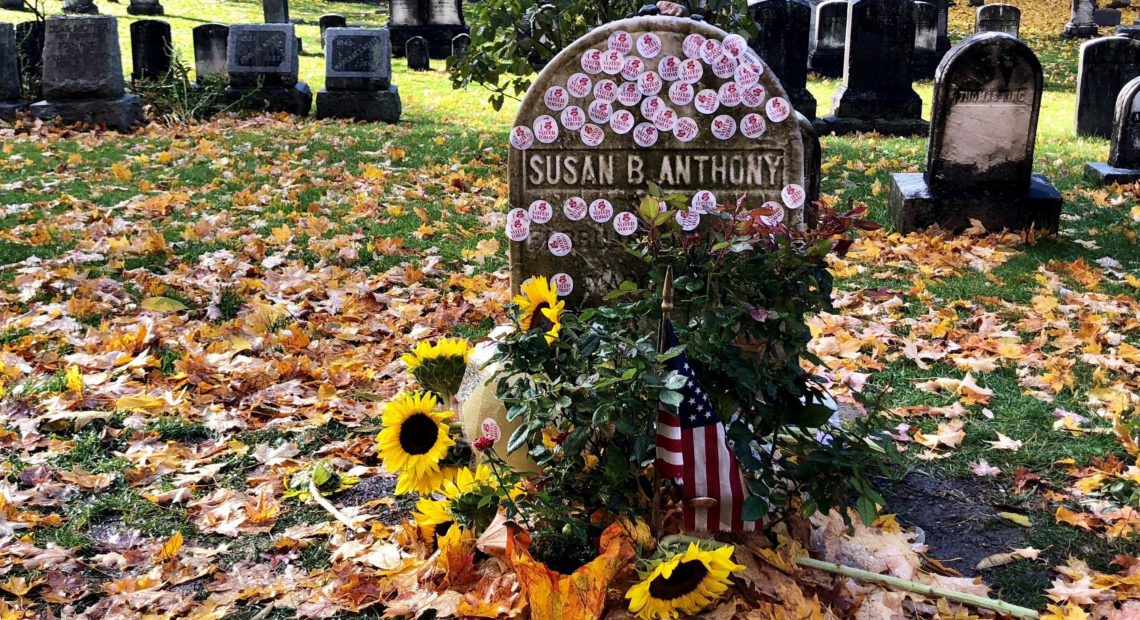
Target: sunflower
[
  {"x": 466, "y": 481},
  {"x": 540, "y": 307},
  {"x": 439, "y": 367},
  {"x": 443, "y": 348},
  {"x": 433, "y": 516},
  {"x": 683, "y": 584},
  {"x": 413, "y": 441}
]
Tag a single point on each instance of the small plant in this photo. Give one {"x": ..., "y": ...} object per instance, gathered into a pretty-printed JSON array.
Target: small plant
[{"x": 174, "y": 99}]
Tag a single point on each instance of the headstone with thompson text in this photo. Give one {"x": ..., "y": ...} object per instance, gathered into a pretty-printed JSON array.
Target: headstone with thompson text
[
  {"x": 358, "y": 76},
  {"x": 263, "y": 66},
  {"x": 1124, "y": 151},
  {"x": 1106, "y": 65}
]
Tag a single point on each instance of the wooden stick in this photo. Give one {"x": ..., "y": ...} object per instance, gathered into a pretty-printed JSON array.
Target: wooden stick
[
  {"x": 338, "y": 515},
  {"x": 662, "y": 339}
]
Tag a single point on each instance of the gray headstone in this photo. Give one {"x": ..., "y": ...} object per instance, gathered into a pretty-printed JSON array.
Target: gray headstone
[
  {"x": 262, "y": 51},
  {"x": 943, "y": 27},
  {"x": 925, "y": 58},
  {"x": 80, "y": 7},
  {"x": 1107, "y": 17},
  {"x": 419, "y": 57},
  {"x": 151, "y": 49},
  {"x": 1125, "y": 149},
  {"x": 210, "y": 43},
  {"x": 1132, "y": 32},
  {"x": 554, "y": 172},
  {"x": 1106, "y": 65},
  {"x": 407, "y": 12},
  {"x": 145, "y": 7},
  {"x": 358, "y": 59},
  {"x": 1081, "y": 19},
  {"x": 275, "y": 11},
  {"x": 998, "y": 18},
  {"x": 12, "y": 5},
  {"x": 783, "y": 44},
  {"x": 445, "y": 12},
  {"x": 332, "y": 20},
  {"x": 459, "y": 44},
  {"x": 811, "y": 28},
  {"x": 830, "y": 38},
  {"x": 9, "y": 68},
  {"x": 81, "y": 58}
]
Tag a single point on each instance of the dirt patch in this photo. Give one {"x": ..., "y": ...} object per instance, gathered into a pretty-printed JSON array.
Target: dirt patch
[
  {"x": 378, "y": 487},
  {"x": 960, "y": 524}
]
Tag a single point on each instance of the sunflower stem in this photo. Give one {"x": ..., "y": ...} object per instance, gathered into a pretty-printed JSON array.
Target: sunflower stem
[{"x": 332, "y": 510}]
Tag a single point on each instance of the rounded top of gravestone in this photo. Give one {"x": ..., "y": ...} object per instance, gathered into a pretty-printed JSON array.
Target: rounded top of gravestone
[
  {"x": 990, "y": 43},
  {"x": 89, "y": 18},
  {"x": 1110, "y": 46}
]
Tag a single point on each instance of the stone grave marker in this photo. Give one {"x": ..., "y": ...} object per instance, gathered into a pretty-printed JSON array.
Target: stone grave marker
[
  {"x": 275, "y": 11},
  {"x": 1106, "y": 65},
  {"x": 1081, "y": 23},
  {"x": 830, "y": 38},
  {"x": 30, "y": 45},
  {"x": 943, "y": 44},
  {"x": 438, "y": 22},
  {"x": 1124, "y": 151},
  {"x": 12, "y": 5},
  {"x": 459, "y": 45},
  {"x": 610, "y": 114},
  {"x": 998, "y": 18},
  {"x": 10, "y": 102},
  {"x": 266, "y": 54},
  {"x": 358, "y": 76},
  {"x": 331, "y": 20},
  {"x": 210, "y": 44},
  {"x": 811, "y": 25},
  {"x": 145, "y": 7},
  {"x": 151, "y": 49},
  {"x": 1132, "y": 32},
  {"x": 813, "y": 168},
  {"x": 419, "y": 57},
  {"x": 979, "y": 160},
  {"x": 83, "y": 74},
  {"x": 880, "y": 35},
  {"x": 783, "y": 44},
  {"x": 80, "y": 7},
  {"x": 1107, "y": 17},
  {"x": 925, "y": 40}
]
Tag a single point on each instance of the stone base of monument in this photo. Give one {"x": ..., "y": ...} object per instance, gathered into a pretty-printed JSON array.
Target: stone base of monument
[
  {"x": 1104, "y": 174},
  {"x": 438, "y": 38},
  {"x": 915, "y": 205},
  {"x": 886, "y": 126},
  {"x": 802, "y": 101},
  {"x": 295, "y": 100},
  {"x": 1106, "y": 17},
  {"x": 381, "y": 106},
  {"x": 119, "y": 114},
  {"x": 924, "y": 65},
  {"x": 827, "y": 63},
  {"x": 9, "y": 110},
  {"x": 145, "y": 9},
  {"x": 1080, "y": 31}
]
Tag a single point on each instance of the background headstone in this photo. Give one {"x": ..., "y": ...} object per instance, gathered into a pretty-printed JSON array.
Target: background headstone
[
  {"x": 751, "y": 149},
  {"x": 983, "y": 129},
  {"x": 1107, "y": 17},
  {"x": 151, "y": 49},
  {"x": 30, "y": 43},
  {"x": 10, "y": 102},
  {"x": 813, "y": 168},
  {"x": 998, "y": 18},
  {"x": 925, "y": 40},
  {"x": 1124, "y": 152},
  {"x": 210, "y": 44},
  {"x": 80, "y": 7},
  {"x": 445, "y": 12},
  {"x": 459, "y": 44},
  {"x": 830, "y": 38},
  {"x": 1132, "y": 32},
  {"x": 438, "y": 22},
  {"x": 407, "y": 13},
  {"x": 783, "y": 44},
  {"x": 943, "y": 45},
  {"x": 144, "y": 7},
  {"x": 358, "y": 76},
  {"x": 266, "y": 54},
  {"x": 275, "y": 11},
  {"x": 12, "y": 5},
  {"x": 1106, "y": 65},
  {"x": 1081, "y": 22},
  {"x": 331, "y": 20},
  {"x": 419, "y": 58}
]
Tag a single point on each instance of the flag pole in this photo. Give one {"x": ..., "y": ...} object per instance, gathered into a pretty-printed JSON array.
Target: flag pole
[{"x": 662, "y": 341}]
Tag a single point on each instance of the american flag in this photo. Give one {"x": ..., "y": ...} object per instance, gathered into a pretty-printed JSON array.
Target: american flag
[{"x": 691, "y": 447}]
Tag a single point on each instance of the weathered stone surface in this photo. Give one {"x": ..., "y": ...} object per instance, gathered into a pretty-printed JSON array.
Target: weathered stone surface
[
  {"x": 265, "y": 52},
  {"x": 118, "y": 113},
  {"x": 1081, "y": 24},
  {"x": 210, "y": 44},
  {"x": 80, "y": 7},
  {"x": 914, "y": 206},
  {"x": 416, "y": 50},
  {"x": 943, "y": 45},
  {"x": 459, "y": 44},
  {"x": 559, "y": 167},
  {"x": 436, "y": 21},
  {"x": 998, "y": 18},
  {"x": 151, "y": 49},
  {"x": 813, "y": 167},
  {"x": 783, "y": 44},
  {"x": 1107, "y": 17},
  {"x": 331, "y": 20},
  {"x": 297, "y": 99},
  {"x": 1106, "y": 65},
  {"x": 830, "y": 38},
  {"x": 9, "y": 68},
  {"x": 275, "y": 11},
  {"x": 925, "y": 40},
  {"x": 358, "y": 59},
  {"x": 407, "y": 13},
  {"x": 1124, "y": 151},
  {"x": 375, "y": 106},
  {"x": 1132, "y": 32},
  {"x": 445, "y": 12},
  {"x": 145, "y": 7},
  {"x": 81, "y": 59}
]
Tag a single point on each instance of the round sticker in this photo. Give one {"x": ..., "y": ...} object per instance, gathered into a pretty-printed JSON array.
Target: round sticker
[
  {"x": 692, "y": 71},
  {"x": 666, "y": 120},
  {"x": 612, "y": 62},
  {"x": 540, "y": 212},
  {"x": 564, "y": 283},
  {"x": 633, "y": 67},
  {"x": 651, "y": 107},
  {"x": 729, "y": 94},
  {"x": 518, "y": 230},
  {"x": 711, "y": 51},
  {"x": 592, "y": 62},
  {"x": 689, "y": 220},
  {"x": 625, "y": 223},
  {"x": 601, "y": 210},
  {"x": 518, "y": 214},
  {"x": 592, "y": 135},
  {"x": 628, "y": 94},
  {"x": 747, "y": 74},
  {"x": 725, "y": 67},
  {"x": 753, "y": 125},
  {"x": 556, "y": 98},
  {"x": 600, "y": 112},
  {"x": 645, "y": 135},
  {"x": 522, "y": 138},
  {"x": 777, "y": 213},
  {"x": 751, "y": 57},
  {"x": 559, "y": 244},
  {"x": 573, "y": 118},
  {"x": 621, "y": 41},
  {"x": 605, "y": 90},
  {"x": 649, "y": 83},
  {"x": 753, "y": 96},
  {"x": 723, "y": 127},
  {"x": 703, "y": 201},
  {"x": 778, "y": 109},
  {"x": 734, "y": 45},
  {"x": 649, "y": 45},
  {"x": 692, "y": 45},
  {"x": 707, "y": 101},
  {"x": 579, "y": 84},
  {"x": 793, "y": 196},
  {"x": 575, "y": 208},
  {"x": 685, "y": 129},
  {"x": 681, "y": 93},
  {"x": 670, "y": 68},
  {"x": 546, "y": 129},
  {"x": 491, "y": 430},
  {"x": 622, "y": 121}
]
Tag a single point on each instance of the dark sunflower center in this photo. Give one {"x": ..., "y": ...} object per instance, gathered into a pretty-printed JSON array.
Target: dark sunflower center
[
  {"x": 538, "y": 320},
  {"x": 685, "y": 579},
  {"x": 418, "y": 434}
]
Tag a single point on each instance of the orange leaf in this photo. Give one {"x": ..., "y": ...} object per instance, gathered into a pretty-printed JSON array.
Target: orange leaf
[{"x": 169, "y": 550}]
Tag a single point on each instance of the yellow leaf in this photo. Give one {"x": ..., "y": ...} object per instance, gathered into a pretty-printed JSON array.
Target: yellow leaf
[
  {"x": 162, "y": 304},
  {"x": 1013, "y": 517},
  {"x": 169, "y": 550},
  {"x": 74, "y": 159},
  {"x": 138, "y": 402},
  {"x": 74, "y": 379},
  {"x": 120, "y": 172}
]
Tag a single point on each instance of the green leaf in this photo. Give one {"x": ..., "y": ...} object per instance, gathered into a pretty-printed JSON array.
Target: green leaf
[
  {"x": 649, "y": 208},
  {"x": 867, "y": 510},
  {"x": 162, "y": 304},
  {"x": 676, "y": 381},
  {"x": 669, "y": 397},
  {"x": 517, "y": 440},
  {"x": 754, "y": 509}
]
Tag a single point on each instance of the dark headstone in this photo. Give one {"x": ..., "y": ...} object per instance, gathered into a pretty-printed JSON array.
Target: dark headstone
[
  {"x": 30, "y": 43},
  {"x": 648, "y": 10},
  {"x": 1081, "y": 23},
  {"x": 998, "y": 18},
  {"x": 830, "y": 38},
  {"x": 332, "y": 20},
  {"x": 880, "y": 35},
  {"x": 943, "y": 45},
  {"x": 144, "y": 7},
  {"x": 1124, "y": 151},
  {"x": 210, "y": 44},
  {"x": 416, "y": 49},
  {"x": 151, "y": 49},
  {"x": 80, "y": 7},
  {"x": 459, "y": 45},
  {"x": 275, "y": 11},
  {"x": 436, "y": 21},
  {"x": 1119, "y": 4},
  {"x": 12, "y": 5},
  {"x": 977, "y": 2},
  {"x": 1107, "y": 17},
  {"x": 813, "y": 171},
  {"x": 1106, "y": 65},
  {"x": 1132, "y": 32},
  {"x": 925, "y": 40},
  {"x": 358, "y": 76},
  {"x": 983, "y": 129},
  {"x": 10, "y": 102},
  {"x": 83, "y": 74},
  {"x": 783, "y": 44},
  {"x": 266, "y": 55},
  {"x": 445, "y": 12}
]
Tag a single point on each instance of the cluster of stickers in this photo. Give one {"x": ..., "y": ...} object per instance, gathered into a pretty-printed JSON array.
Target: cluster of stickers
[{"x": 627, "y": 92}]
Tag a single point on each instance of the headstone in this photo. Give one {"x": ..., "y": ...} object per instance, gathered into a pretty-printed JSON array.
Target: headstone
[
  {"x": 1124, "y": 151},
  {"x": 10, "y": 102},
  {"x": 813, "y": 168},
  {"x": 1119, "y": 4},
  {"x": 80, "y": 7},
  {"x": 145, "y": 7},
  {"x": 210, "y": 44},
  {"x": 438, "y": 22},
  {"x": 581, "y": 157},
  {"x": 1132, "y": 32},
  {"x": 1106, "y": 65},
  {"x": 783, "y": 44},
  {"x": 445, "y": 12},
  {"x": 877, "y": 94},
  {"x": 943, "y": 44},
  {"x": 263, "y": 67},
  {"x": 332, "y": 20},
  {"x": 407, "y": 13},
  {"x": 419, "y": 58},
  {"x": 830, "y": 38},
  {"x": 1107, "y": 17},
  {"x": 12, "y": 5},
  {"x": 358, "y": 76},
  {"x": 983, "y": 129},
  {"x": 1081, "y": 24},
  {"x": 998, "y": 18},
  {"x": 83, "y": 74},
  {"x": 30, "y": 44},
  {"x": 275, "y": 11},
  {"x": 151, "y": 49},
  {"x": 925, "y": 40},
  {"x": 459, "y": 45}
]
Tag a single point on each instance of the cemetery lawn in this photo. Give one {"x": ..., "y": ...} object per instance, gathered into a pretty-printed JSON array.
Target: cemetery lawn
[{"x": 216, "y": 307}]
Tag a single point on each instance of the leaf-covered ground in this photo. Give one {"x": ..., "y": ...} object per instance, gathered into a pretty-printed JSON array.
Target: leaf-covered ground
[{"x": 190, "y": 315}]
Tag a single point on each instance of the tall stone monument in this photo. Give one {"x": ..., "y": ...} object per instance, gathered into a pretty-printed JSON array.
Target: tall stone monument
[
  {"x": 275, "y": 11},
  {"x": 983, "y": 129},
  {"x": 830, "y": 38},
  {"x": 998, "y": 18},
  {"x": 210, "y": 44},
  {"x": 10, "y": 102},
  {"x": 1081, "y": 23},
  {"x": 436, "y": 21},
  {"x": 1106, "y": 65},
  {"x": 716, "y": 127},
  {"x": 145, "y": 7},
  {"x": 783, "y": 44},
  {"x": 358, "y": 76},
  {"x": 83, "y": 74},
  {"x": 151, "y": 49},
  {"x": 263, "y": 67},
  {"x": 1124, "y": 151},
  {"x": 926, "y": 58}
]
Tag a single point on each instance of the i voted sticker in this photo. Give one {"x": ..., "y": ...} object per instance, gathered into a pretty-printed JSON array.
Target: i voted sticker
[
  {"x": 747, "y": 74},
  {"x": 633, "y": 67},
  {"x": 681, "y": 93},
  {"x": 793, "y": 196},
  {"x": 778, "y": 109},
  {"x": 753, "y": 125},
  {"x": 725, "y": 67},
  {"x": 707, "y": 101},
  {"x": 645, "y": 135},
  {"x": 556, "y": 98},
  {"x": 575, "y": 208},
  {"x": 545, "y": 129},
  {"x": 600, "y": 112},
  {"x": 592, "y": 135},
  {"x": 651, "y": 107},
  {"x": 621, "y": 41},
  {"x": 601, "y": 210},
  {"x": 518, "y": 230},
  {"x": 734, "y": 45},
  {"x": 622, "y": 121},
  {"x": 669, "y": 68},
  {"x": 666, "y": 120},
  {"x": 649, "y": 45},
  {"x": 777, "y": 215},
  {"x": 625, "y": 223},
  {"x": 753, "y": 96},
  {"x": 540, "y": 212},
  {"x": 563, "y": 283},
  {"x": 649, "y": 83},
  {"x": 522, "y": 138},
  {"x": 689, "y": 220},
  {"x": 711, "y": 51},
  {"x": 579, "y": 84},
  {"x": 724, "y": 127},
  {"x": 559, "y": 244},
  {"x": 751, "y": 57},
  {"x": 612, "y": 62},
  {"x": 686, "y": 129},
  {"x": 592, "y": 62},
  {"x": 605, "y": 90},
  {"x": 518, "y": 214},
  {"x": 692, "y": 71},
  {"x": 703, "y": 201},
  {"x": 573, "y": 118},
  {"x": 692, "y": 45},
  {"x": 729, "y": 94},
  {"x": 628, "y": 94}
]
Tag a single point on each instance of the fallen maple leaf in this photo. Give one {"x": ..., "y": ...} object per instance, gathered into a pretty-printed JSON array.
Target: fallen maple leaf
[
  {"x": 983, "y": 468},
  {"x": 1005, "y": 443}
]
